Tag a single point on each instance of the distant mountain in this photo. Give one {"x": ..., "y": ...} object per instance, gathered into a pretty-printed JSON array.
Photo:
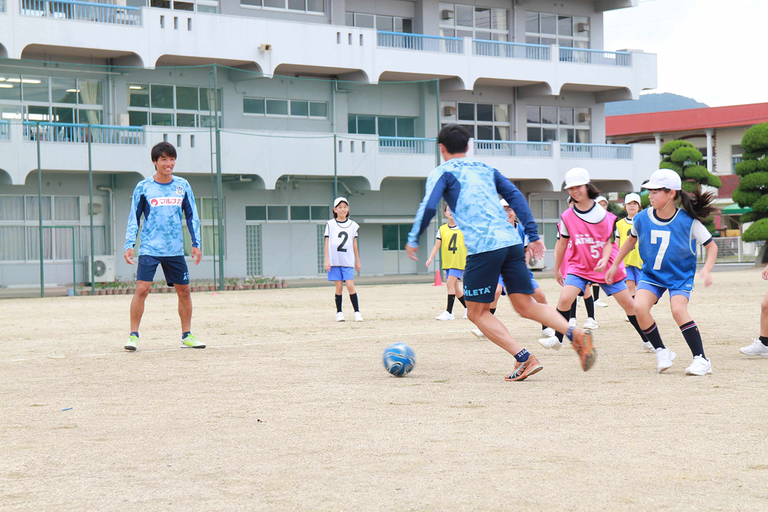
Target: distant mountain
[{"x": 652, "y": 103}]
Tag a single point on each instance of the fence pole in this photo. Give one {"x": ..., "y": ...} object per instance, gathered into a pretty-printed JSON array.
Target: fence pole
[
  {"x": 219, "y": 198},
  {"x": 90, "y": 205},
  {"x": 738, "y": 243},
  {"x": 40, "y": 209}
]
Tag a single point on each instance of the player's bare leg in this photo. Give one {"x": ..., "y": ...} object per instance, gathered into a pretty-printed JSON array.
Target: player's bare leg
[
  {"x": 185, "y": 306},
  {"x": 493, "y": 328},
  {"x": 137, "y": 303}
]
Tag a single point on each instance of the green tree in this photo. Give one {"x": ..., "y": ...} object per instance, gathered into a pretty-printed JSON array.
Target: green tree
[{"x": 753, "y": 182}]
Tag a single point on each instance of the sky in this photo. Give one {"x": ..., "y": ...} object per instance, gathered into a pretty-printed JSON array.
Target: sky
[{"x": 710, "y": 50}]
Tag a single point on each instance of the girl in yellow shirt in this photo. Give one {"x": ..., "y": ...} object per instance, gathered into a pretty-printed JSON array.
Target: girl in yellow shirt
[{"x": 454, "y": 258}]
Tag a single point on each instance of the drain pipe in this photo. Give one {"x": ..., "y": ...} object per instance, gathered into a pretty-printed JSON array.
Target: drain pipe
[{"x": 111, "y": 214}]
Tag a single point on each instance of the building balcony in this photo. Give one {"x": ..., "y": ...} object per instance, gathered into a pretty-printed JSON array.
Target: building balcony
[
  {"x": 76, "y": 133},
  {"x": 82, "y": 11}
]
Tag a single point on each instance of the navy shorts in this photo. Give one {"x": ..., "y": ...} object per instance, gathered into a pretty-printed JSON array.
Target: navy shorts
[
  {"x": 174, "y": 268},
  {"x": 481, "y": 275}
]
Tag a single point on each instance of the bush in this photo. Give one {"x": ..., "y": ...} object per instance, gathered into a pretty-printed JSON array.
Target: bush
[
  {"x": 696, "y": 173},
  {"x": 671, "y": 165},
  {"x": 686, "y": 154},
  {"x": 760, "y": 207},
  {"x": 746, "y": 167},
  {"x": 754, "y": 155},
  {"x": 757, "y": 231},
  {"x": 745, "y": 197},
  {"x": 714, "y": 181},
  {"x": 672, "y": 145},
  {"x": 756, "y": 138},
  {"x": 748, "y": 217},
  {"x": 754, "y": 181}
]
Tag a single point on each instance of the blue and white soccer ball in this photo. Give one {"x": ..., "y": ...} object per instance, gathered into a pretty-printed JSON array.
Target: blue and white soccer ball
[{"x": 399, "y": 359}]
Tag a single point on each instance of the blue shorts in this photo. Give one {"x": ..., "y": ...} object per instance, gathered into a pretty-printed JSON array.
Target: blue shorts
[
  {"x": 481, "y": 274},
  {"x": 581, "y": 284},
  {"x": 633, "y": 273},
  {"x": 341, "y": 274},
  {"x": 454, "y": 272},
  {"x": 174, "y": 268},
  {"x": 658, "y": 291}
]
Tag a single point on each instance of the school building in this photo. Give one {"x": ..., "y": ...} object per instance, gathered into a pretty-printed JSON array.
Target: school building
[{"x": 291, "y": 102}]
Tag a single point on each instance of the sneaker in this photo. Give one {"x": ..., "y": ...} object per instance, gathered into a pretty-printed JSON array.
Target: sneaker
[
  {"x": 591, "y": 323},
  {"x": 191, "y": 342},
  {"x": 700, "y": 366},
  {"x": 478, "y": 333},
  {"x": 358, "y": 317},
  {"x": 547, "y": 333},
  {"x": 572, "y": 323},
  {"x": 132, "y": 344},
  {"x": 525, "y": 370},
  {"x": 465, "y": 314},
  {"x": 626, "y": 319},
  {"x": 339, "y": 316},
  {"x": 586, "y": 350},
  {"x": 551, "y": 342},
  {"x": 664, "y": 357},
  {"x": 755, "y": 349},
  {"x": 445, "y": 316},
  {"x": 647, "y": 346},
  {"x": 599, "y": 303}
]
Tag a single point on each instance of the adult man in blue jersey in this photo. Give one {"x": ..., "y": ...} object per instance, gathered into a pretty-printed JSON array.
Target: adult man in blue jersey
[
  {"x": 163, "y": 199},
  {"x": 471, "y": 190}
]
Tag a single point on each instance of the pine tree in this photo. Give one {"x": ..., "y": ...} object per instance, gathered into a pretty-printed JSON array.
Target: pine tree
[{"x": 753, "y": 183}]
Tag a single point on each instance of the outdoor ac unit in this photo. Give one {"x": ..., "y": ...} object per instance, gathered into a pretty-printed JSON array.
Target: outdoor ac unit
[
  {"x": 582, "y": 27},
  {"x": 584, "y": 117},
  {"x": 535, "y": 264},
  {"x": 449, "y": 111},
  {"x": 447, "y": 14},
  {"x": 103, "y": 269}
]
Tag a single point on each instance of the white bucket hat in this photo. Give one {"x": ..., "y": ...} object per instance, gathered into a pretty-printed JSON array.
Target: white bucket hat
[
  {"x": 575, "y": 177},
  {"x": 632, "y": 198},
  {"x": 339, "y": 200},
  {"x": 664, "y": 178},
  {"x": 600, "y": 198},
  {"x": 504, "y": 202}
]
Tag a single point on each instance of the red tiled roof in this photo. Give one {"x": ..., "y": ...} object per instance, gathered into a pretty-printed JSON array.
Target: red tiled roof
[
  {"x": 686, "y": 120},
  {"x": 729, "y": 182}
]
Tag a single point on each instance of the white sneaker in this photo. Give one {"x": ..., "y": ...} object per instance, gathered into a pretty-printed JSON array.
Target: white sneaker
[
  {"x": 478, "y": 333},
  {"x": 647, "y": 346},
  {"x": 664, "y": 356},
  {"x": 465, "y": 314},
  {"x": 358, "y": 317},
  {"x": 599, "y": 303},
  {"x": 445, "y": 316},
  {"x": 699, "y": 366},
  {"x": 572, "y": 323},
  {"x": 755, "y": 349},
  {"x": 547, "y": 333},
  {"x": 590, "y": 324},
  {"x": 551, "y": 342},
  {"x": 339, "y": 316}
]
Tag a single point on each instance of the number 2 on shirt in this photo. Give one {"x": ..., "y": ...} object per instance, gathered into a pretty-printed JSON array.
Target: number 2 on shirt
[
  {"x": 657, "y": 235},
  {"x": 345, "y": 236}
]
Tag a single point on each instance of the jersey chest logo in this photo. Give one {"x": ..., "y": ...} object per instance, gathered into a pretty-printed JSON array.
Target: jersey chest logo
[{"x": 165, "y": 201}]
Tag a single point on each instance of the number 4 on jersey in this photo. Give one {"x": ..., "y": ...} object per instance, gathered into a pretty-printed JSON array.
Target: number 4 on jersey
[{"x": 452, "y": 243}]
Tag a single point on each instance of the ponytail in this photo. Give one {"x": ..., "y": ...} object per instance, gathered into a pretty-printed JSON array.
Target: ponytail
[
  {"x": 592, "y": 191},
  {"x": 698, "y": 204}
]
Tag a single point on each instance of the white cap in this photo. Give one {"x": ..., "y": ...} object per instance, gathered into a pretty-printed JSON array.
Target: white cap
[
  {"x": 575, "y": 177},
  {"x": 664, "y": 178},
  {"x": 632, "y": 197},
  {"x": 600, "y": 198},
  {"x": 504, "y": 202},
  {"x": 339, "y": 200}
]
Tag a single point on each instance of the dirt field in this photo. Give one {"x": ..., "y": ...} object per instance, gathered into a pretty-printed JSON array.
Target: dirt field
[{"x": 287, "y": 409}]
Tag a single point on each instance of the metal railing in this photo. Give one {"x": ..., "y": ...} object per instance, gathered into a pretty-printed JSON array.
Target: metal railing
[
  {"x": 79, "y": 133},
  {"x": 420, "y": 42},
  {"x": 5, "y": 130},
  {"x": 407, "y": 145},
  {"x": 732, "y": 249},
  {"x": 82, "y": 11},
  {"x": 484, "y": 48},
  {"x": 598, "y": 57},
  {"x": 596, "y": 151},
  {"x": 512, "y": 148}
]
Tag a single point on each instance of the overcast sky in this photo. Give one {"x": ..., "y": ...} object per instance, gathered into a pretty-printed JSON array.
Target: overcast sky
[{"x": 710, "y": 50}]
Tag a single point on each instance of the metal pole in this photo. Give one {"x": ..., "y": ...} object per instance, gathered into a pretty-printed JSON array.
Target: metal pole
[
  {"x": 40, "y": 208},
  {"x": 90, "y": 205},
  {"x": 213, "y": 184},
  {"x": 74, "y": 266},
  {"x": 439, "y": 216},
  {"x": 335, "y": 169},
  {"x": 219, "y": 198}
]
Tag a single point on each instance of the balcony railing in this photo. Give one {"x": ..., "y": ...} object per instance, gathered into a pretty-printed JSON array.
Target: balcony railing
[
  {"x": 598, "y": 57},
  {"x": 82, "y": 11},
  {"x": 485, "y": 48},
  {"x": 596, "y": 151},
  {"x": 5, "y": 129},
  {"x": 419, "y": 42},
  {"x": 512, "y": 148},
  {"x": 79, "y": 133},
  {"x": 407, "y": 145}
]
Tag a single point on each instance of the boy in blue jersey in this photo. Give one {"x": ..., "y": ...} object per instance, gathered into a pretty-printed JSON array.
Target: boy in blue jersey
[
  {"x": 494, "y": 247},
  {"x": 162, "y": 199}
]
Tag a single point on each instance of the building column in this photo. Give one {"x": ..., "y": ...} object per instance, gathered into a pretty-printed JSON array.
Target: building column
[
  {"x": 710, "y": 153},
  {"x": 657, "y": 136}
]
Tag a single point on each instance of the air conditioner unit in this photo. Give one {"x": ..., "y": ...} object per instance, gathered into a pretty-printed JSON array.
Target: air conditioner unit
[
  {"x": 535, "y": 264},
  {"x": 447, "y": 14},
  {"x": 449, "y": 111},
  {"x": 103, "y": 268},
  {"x": 582, "y": 27},
  {"x": 584, "y": 117}
]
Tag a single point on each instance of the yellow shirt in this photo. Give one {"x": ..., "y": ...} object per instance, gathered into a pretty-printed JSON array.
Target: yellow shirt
[
  {"x": 623, "y": 228},
  {"x": 452, "y": 249}
]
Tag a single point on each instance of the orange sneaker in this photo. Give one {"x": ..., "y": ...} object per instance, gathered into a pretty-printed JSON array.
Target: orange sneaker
[
  {"x": 587, "y": 352},
  {"x": 525, "y": 370}
]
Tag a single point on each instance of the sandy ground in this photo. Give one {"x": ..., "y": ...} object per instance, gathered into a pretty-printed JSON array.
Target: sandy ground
[{"x": 288, "y": 410}]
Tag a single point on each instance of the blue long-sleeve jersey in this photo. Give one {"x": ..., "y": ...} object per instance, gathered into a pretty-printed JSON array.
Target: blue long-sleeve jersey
[
  {"x": 471, "y": 189},
  {"x": 163, "y": 206}
]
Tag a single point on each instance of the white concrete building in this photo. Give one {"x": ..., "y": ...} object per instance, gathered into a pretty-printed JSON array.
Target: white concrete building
[{"x": 316, "y": 97}]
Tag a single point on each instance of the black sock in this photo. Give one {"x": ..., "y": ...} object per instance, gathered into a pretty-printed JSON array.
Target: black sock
[
  {"x": 573, "y": 310},
  {"x": 493, "y": 311},
  {"x": 544, "y": 327},
  {"x": 134, "y": 333},
  {"x": 522, "y": 356},
  {"x": 763, "y": 339},
  {"x": 693, "y": 338},
  {"x": 595, "y": 292},
  {"x": 463, "y": 302},
  {"x": 589, "y": 303},
  {"x": 338, "y": 303},
  {"x": 566, "y": 315},
  {"x": 353, "y": 299},
  {"x": 451, "y": 299},
  {"x": 185, "y": 334},
  {"x": 633, "y": 321},
  {"x": 652, "y": 333}
]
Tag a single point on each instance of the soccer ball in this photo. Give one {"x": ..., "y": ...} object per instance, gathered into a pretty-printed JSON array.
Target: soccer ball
[{"x": 399, "y": 359}]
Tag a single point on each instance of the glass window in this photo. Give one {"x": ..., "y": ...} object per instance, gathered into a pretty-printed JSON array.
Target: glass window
[
  {"x": 501, "y": 113},
  {"x": 550, "y": 235},
  {"x": 299, "y": 212},
  {"x": 11, "y": 208},
  {"x": 63, "y": 115},
  {"x": 566, "y": 116},
  {"x": 89, "y": 116},
  {"x": 299, "y": 108},
  {"x": 534, "y": 134},
  {"x": 253, "y": 106},
  {"x": 63, "y": 90},
  {"x": 387, "y": 127},
  {"x": 320, "y": 212},
  {"x": 35, "y": 88},
  {"x": 366, "y": 125},
  {"x": 162, "y": 119},
  {"x": 548, "y": 115},
  {"x": 582, "y": 116},
  {"x": 277, "y": 213},
  {"x": 484, "y": 112},
  {"x": 447, "y": 14},
  {"x": 567, "y": 135},
  {"x": 548, "y": 23},
  {"x": 207, "y": 101},
  {"x": 581, "y": 26},
  {"x": 466, "y": 111},
  {"x": 389, "y": 237},
  {"x": 296, "y": 5},
  {"x": 32, "y": 208},
  {"x": 89, "y": 92},
  {"x": 186, "y": 120},
  {"x": 565, "y": 25},
  {"x": 482, "y": 18},
  {"x": 484, "y": 132},
  {"x": 404, "y": 230},
  {"x": 548, "y": 134},
  {"x": 532, "y": 113},
  {"x": 463, "y": 15},
  {"x": 404, "y": 25},
  {"x": 536, "y": 208},
  {"x": 186, "y": 98},
  {"x": 35, "y": 113},
  {"x": 161, "y": 96},
  {"x": 351, "y": 123},
  {"x": 137, "y": 118},
  {"x": 316, "y": 5},
  {"x": 551, "y": 210},
  {"x": 532, "y": 22},
  {"x": 501, "y": 133},
  {"x": 277, "y": 4},
  {"x": 10, "y": 87},
  {"x": 582, "y": 136},
  {"x": 365, "y": 20},
  {"x": 385, "y": 23},
  {"x": 499, "y": 19},
  {"x": 255, "y": 213},
  {"x": 67, "y": 208},
  {"x": 349, "y": 19},
  {"x": 406, "y": 127},
  {"x": 318, "y": 109},
  {"x": 138, "y": 95},
  {"x": 277, "y": 107},
  {"x": 256, "y": 3}
]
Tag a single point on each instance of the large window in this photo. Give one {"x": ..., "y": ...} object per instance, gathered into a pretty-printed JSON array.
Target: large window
[
  {"x": 564, "y": 124},
  {"x": 279, "y": 107},
  {"x": 546, "y": 213},
  {"x": 567, "y": 31},
  {"x": 484, "y": 121},
  {"x": 285, "y": 213},
  {"x": 211, "y": 6},
  {"x": 736, "y": 157},
  {"x": 171, "y": 105},
  {"x": 51, "y": 99},
  {"x": 486, "y": 23},
  {"x": 209, "y": 227},
  {"x": 383, "y": 23},
  {"x": 308, "y": 6},
  {"x": 394, "y": 237},
  {"x": 384, "y": 126}
]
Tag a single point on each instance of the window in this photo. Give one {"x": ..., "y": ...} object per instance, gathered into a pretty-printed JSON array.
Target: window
[
  {"x": 382, "y": 23},
  {"x": 320, "y": 213},
  {"x": 209, "y": 6},
  {"x": 209, "y": 227},
  {"x": 565, "y": 124},
  {"x": 253, "y": 249},
  {"x": 299, "y": 212},
  {"x": 546, "y": 213},
  {"x": 394, "y": 237},
  {"x": 277, "y": 212},
  {"x": 294, "y": 108},
  {"x": 484, "y": 121},
  {"x": 277, "y": 107},
  {"x": 384, "y": 126},
  {"x": 256, "y": 213},
  {"x": 485, "y": 23},
  {"x": 308, "y": 6},
  {"x": 53, "y": 99},
  {"x": 170, "y": 105},
  {"x": 736, "y": 157},
  {"x": 566, "y": 31}
]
